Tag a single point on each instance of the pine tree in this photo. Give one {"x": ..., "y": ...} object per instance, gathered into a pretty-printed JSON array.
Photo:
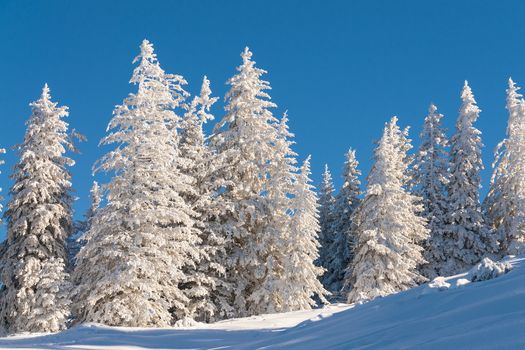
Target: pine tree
[
  {"x": 34, "y": 295},
  {"x": 430, "y": 181},
  {"x": 326, "y": 222},
  {"x": 208, "y": 288},
  {"x": 95, "y": 196},
  {"x": 131, "y": 272},
  {"x": 246, "y": 141},
  {"x": 388, "y": 227},
  {"x": 507, "y": 191},
  {"x": 467, "y": 237},
  {"x": 301, "y": 274},
  {"x": 272, "y": 293},
  {"x": 346, "y": 201}
]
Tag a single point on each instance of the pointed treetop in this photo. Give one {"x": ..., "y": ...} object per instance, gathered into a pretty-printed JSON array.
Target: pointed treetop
[
  {"x": 350, "y": 155},
  {"x": 205, "y": 87},
  {"x": 246, "y": 55},
  {"x": 327, "y": 175},
  {"x": 512, "y": 91},
  {"x": 205, "y": 101},
  {"x": 432, "y": 108},
  {"x": 146, "y": 52},
  {"x": 45, "y": 93}
]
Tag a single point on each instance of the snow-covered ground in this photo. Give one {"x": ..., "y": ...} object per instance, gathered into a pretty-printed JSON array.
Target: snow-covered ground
[{"x": 448, "y": 314}]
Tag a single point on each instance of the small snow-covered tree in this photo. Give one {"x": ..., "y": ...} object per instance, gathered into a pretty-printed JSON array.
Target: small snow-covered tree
[
  {"x": 467, "y": 237},
  {"x": 131, "y": 272},
  {"x": 388, "y": 227},
  {"x": 35, "y": 287},
  {"x": 301, "y": 273},
  {"x": 95, "y": 197},
  {"x": 326, "y": 222},
  {"x": 208, "y": 289},
  {"x": 346, "y": 201},
  {"x": 244, "y": 142},
  {"x": 505, "y": 201},
  {"x": 430, "y": 182}
]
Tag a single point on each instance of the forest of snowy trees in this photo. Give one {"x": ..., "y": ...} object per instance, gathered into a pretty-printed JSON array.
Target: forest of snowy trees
[{"x": 197, "y": 228}]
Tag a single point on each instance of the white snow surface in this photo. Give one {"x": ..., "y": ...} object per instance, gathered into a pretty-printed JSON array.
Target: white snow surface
[{"x": 477, "y": 315}]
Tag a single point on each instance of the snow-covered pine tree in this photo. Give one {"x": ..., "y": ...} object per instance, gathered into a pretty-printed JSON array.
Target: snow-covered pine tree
[
  {"x": 388, "y": 227},
  {"x": 346, "y": 201},
  {"x": 131, "y": 272},
  {"x": 326, "y": 223},
  {"x": 467, "y": 237},
  {"x": 507, "y": 191},
  {"x": 245, "y": 144},
  {"x": 95, "y": 197},
  {"x": 291, "y": 279},
  {"x": 208, "y": 289},
  {"x": 272, "y": 293},
  {"x": 35, "y": 286},
  {"x": 301, "y": 273},
  {"x": 430, "y": 182}
]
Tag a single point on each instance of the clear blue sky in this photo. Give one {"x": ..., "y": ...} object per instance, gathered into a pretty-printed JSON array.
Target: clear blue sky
[{"x": 341, "y": 68}]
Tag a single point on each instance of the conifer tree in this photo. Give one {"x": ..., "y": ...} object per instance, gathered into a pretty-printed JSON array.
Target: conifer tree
[
  {"x": 301, "y": 274},
  {"x": 35, "y": 286},
  {"x": 272, "y": 294},
  {"x": 326, "y": 222},
  {"x": 505, "y": 201},
  {"x": 430, "y": 181},
  {"x": 241, "y": 140},
  {"x": 208, "y": 288},
  {"x": 131, "y": 272},
  {"x": 467, "y": 237},
  {"x": 346, "y": 201},
  {"x": 388, "y": 227}
]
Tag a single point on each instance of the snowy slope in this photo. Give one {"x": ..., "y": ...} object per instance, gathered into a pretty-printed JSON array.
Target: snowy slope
[{"x": 480, "y": 315}]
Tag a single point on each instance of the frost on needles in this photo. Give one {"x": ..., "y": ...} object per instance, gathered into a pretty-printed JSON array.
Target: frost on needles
[
  {"x": 35, "y": 291},
  {"x": 143, "y": 243},
  {"x": 388, "y": 227}
]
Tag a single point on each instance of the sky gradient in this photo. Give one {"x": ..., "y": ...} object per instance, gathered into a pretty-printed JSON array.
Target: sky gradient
[{"x": 340, "y": 68}]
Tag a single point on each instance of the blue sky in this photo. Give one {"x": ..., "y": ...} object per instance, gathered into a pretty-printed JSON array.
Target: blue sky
[{"x": 341, "y": 68}]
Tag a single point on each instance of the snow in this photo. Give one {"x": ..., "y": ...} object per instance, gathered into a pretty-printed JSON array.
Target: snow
[{"x": 480, "y": 315}]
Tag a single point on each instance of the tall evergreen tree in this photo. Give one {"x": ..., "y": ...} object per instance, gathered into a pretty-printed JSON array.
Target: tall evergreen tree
[
  {"x": 507, "y": 191},
  {"x": 467, "y": 237},
  {"x": 430, "y": 181},
  {"x": 301, "y": 274},
  {"x": 208, "y": 288},
  {"x": 388, "y": 226},
  {"x": 346, "y": 201},
  {"x": 131, "y": 272},
  {"x": 35, "y": 287},
  {"x": 244, "y": 140},
  {"x": 326, "y": 222},
  {"x": 272, "y": 294}
]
